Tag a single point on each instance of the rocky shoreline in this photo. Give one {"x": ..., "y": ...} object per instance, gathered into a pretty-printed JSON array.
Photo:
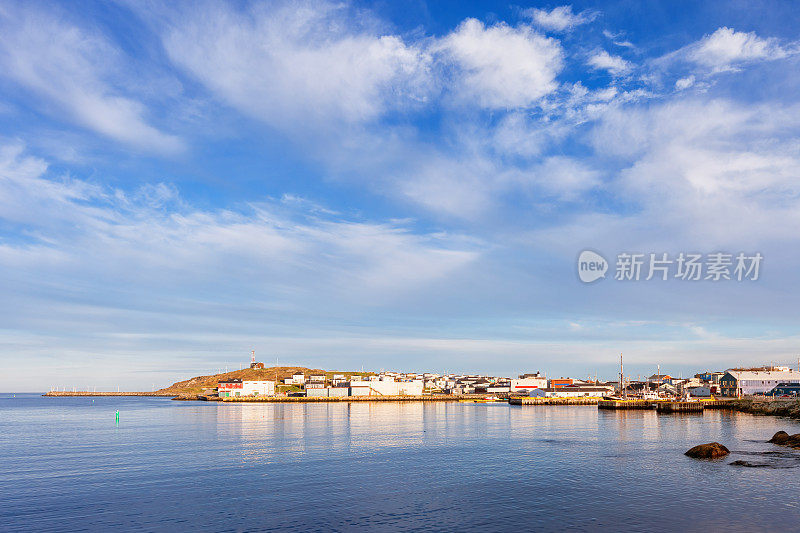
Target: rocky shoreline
[{"x": 789, "y": 408}]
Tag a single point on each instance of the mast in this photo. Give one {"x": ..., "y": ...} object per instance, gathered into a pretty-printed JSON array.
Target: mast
[{"x": 622, "y": 379}]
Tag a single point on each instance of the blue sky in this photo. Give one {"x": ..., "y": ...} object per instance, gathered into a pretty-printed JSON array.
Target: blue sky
[{"x": 391, "y": 185}]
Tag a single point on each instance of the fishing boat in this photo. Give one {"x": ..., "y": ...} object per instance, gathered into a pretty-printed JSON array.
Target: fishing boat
[{"x": 487, "y": 399}]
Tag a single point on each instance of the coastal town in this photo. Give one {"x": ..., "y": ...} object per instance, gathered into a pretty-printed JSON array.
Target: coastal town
[{"x": 774, "y": 381}]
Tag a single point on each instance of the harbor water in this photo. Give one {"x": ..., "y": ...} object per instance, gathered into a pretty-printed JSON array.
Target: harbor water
[{"x": 67, "y": 464}]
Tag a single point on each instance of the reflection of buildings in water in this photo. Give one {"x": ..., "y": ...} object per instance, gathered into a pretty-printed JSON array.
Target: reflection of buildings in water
[
  {"x": 261, "y": 429},
  {"x": 376, "y": 425},
  {"x": 327, "y": 427}
]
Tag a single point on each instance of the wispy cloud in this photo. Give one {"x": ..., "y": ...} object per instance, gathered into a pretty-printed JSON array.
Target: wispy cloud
[
  {"x": 726, "y": 48},
  {"x": 112, "y": 234},
  {"x": 74, "y": 71},
  {"x": 615, "y": 65},
  {"x": 288, "y": 62},
  {"x": 560, "y": 18}
]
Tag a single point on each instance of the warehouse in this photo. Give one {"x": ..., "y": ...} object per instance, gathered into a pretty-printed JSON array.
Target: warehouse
[{"x": 744, "y": 382}]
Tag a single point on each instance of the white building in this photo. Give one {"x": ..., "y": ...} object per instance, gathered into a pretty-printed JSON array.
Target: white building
[
  {"x": 527, "y": 382},
  {"x": 386, "y": 388},
  {"x": 743, "y": 382},
  {"x": 237, "y": 388},
  {"x": 572, "y": 391}
]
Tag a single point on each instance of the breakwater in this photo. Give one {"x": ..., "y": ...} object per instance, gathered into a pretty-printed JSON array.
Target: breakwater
[
  {"x": 89, "y": 393},
  {"x": 789, "y": 408}
]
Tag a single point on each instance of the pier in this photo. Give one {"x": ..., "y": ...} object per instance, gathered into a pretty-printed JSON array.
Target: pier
[
  {"x": 625, "y": 404},
  {"x": 680, "y": 407},
  {"x": 526, "y": 400}
]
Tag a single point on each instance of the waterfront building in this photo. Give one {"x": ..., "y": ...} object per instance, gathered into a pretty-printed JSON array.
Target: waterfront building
[
  {"x": 298, "y": 378},
  {"x": 527, "y": 382},
  {"x": 328, "y": 392},
  {"x": 386, "y": 388},
  {"x": 237, "y": 387},
  {"x": 785, "y": 389},
  {"x": 560, "y": 382},
  {"x": 572, "y": 391},
  {"x": 744, "y": 382},
  {"x": 699, "y": 391},
  {"x": 710, "y": 377}
]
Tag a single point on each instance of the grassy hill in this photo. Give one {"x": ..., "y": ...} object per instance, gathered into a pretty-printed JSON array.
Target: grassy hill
[{"x": 197, "y": 385}]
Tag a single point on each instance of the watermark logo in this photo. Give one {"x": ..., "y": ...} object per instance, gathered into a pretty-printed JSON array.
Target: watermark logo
[
  {"x": 630, "y": 266},
  {"x": 591, "y": 266}
]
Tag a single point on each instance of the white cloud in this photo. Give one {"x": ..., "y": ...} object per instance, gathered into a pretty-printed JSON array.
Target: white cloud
[
  {"x": 76, "y": 69},
  {"x": 615, "y": 65},
  {"x": 726, "y": 47},
  {"x": 503, "y": 67},
  {"x": 566, "y": 178},
  {"x": 560, "y": 18},
  {"x": 97, "y": 237},
  {"x": 684, "y": 83},
  {"x": 293, "y": 62},
  {"x": 615, "y": 38},
  {"x": 712, "y": 172}
]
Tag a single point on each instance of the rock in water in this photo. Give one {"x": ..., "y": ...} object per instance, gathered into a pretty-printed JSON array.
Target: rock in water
[
  {"x": 749, "y": 464},
  {"x": 779, "y": 438},
  {"x": 712, "y": 450},
  {"x": 782, "y": 438}
]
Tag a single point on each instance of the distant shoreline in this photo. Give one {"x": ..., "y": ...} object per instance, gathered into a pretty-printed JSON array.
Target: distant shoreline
[
  {"x": 789, "y": 408},
  {"x": 87, "y": 393}
]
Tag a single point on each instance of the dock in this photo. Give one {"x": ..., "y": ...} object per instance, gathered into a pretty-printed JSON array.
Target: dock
[
  {"x": 625, "y": 404},
  {"x": 526, "y": 400},
  {"x": 680, "y": 407}
]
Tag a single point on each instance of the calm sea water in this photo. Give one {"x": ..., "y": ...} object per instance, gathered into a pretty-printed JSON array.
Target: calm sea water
[{"x": 176, "y": 466}]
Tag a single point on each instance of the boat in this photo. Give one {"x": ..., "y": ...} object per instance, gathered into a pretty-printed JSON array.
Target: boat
[{"x": 487, "y": 399}]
